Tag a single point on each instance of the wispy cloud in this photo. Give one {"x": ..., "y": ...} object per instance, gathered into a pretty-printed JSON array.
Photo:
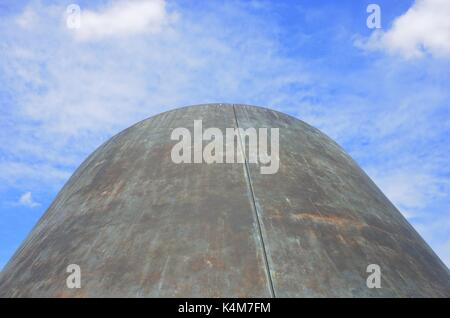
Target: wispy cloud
[
  {"x": 410, "y": 191},
  {"x": 27, "y": 200}
]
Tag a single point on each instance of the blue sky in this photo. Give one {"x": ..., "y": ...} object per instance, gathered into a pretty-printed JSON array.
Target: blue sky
[{"x": 381, "y": 94}]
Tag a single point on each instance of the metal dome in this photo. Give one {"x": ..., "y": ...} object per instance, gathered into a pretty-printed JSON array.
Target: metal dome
[{"x": 140, "y": 225}]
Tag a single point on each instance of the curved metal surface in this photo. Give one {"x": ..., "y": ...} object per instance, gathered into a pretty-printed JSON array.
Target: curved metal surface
[{"x": 139, "y": 225}]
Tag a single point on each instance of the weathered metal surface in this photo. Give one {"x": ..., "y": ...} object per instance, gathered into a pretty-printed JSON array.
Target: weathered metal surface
[{"x": 140, "y": 225}]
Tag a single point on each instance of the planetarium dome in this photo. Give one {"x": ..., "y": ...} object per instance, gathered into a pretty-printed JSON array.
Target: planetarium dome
[{"x": 139, "y": 224}]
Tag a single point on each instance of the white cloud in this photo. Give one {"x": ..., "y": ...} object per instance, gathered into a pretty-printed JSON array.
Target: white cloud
[
  {"x": 423, "y": 29},
  {"x": 123, "y": 18},
  {"x": 27, "y": 200}
]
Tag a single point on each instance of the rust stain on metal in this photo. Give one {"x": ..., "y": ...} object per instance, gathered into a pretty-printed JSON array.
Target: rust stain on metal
[{"x": 330, "y": 220}]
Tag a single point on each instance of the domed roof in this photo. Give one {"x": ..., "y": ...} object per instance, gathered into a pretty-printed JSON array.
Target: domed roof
[{"x": 139, "y": 224}]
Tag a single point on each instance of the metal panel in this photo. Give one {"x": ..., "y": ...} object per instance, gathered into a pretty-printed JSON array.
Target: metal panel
[
  {"x": 324, "y": 221},
  {"x": 139, "y": 225}
]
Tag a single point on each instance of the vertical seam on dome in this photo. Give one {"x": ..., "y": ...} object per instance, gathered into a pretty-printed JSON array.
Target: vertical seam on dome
[{"x": 255, "y": 208}]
